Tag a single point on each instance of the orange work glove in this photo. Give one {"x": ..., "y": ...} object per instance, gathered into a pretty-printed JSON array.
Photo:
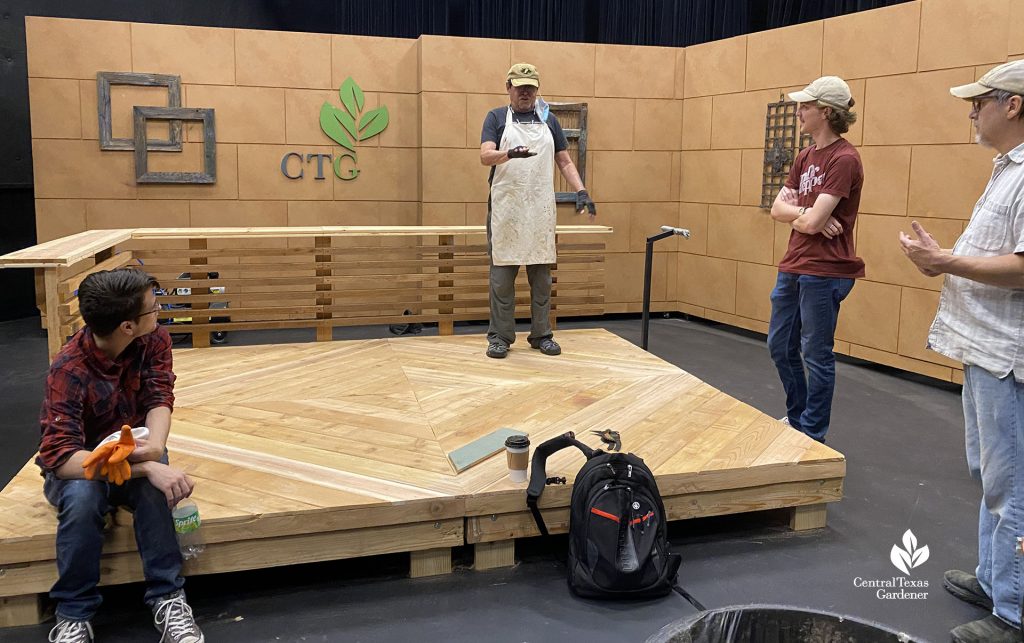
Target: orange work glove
[
  {"x": 98, "y": 459},
  {"x": 112, "y": 459}
]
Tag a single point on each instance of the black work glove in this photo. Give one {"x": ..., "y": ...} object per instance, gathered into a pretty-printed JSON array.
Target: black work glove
[
  {"x": 520, "y": 152},
  {"x": 583, "y": 202}
]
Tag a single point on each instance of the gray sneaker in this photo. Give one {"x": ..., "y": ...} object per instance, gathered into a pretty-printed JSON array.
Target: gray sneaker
[
  {"x": 497, "y": 350},
  {"x": 547, "y": 346},
  {"x": 173, "y": 618},
  {"x": 66, "y": 631}
]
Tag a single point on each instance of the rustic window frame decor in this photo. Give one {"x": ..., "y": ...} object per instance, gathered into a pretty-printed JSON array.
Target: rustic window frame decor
[
  {"x": 143, "y": 114},
  {"x": 104, "y": 81},
  {"x": 576, "y": 114}
]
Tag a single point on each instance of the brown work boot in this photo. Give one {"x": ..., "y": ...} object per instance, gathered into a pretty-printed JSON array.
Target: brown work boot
[
  {"x": 967, "y": 588},
  {"x": 990, "y": 629}
]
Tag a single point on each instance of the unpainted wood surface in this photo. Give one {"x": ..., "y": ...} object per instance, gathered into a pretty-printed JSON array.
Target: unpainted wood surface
[{"x": 295, "y": 440}]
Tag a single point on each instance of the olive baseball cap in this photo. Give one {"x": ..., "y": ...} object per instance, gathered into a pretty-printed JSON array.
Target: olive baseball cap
[
  {"x": 1007, "y": 77},
  {"x": 831, "y": 90},
  {"x": 523, "y": 74}
]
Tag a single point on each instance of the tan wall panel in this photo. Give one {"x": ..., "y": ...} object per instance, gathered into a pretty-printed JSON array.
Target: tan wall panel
[
  {"x": 123, "y": 213},
  {"x": 787, "y": 56},
  {"x": 403, "y": 120},
  {"x": 443, "y": 214},
  {"x": 624, "y": 277},
  {"x": 635, "y": 72},
  {"x": 65, "y": 48},
  {"x": 1016, "y": 28},
  {"x": 741, "y": 233},
  {"x": 564, "y": 67},
  {"x": 646, "y": 220},
  {"x": 917, "y": 311},
  {"x": 201, "y": 55},
  {"x": 79, "y": 169},
  {"x": 302, "y": 115},
  {"x": 260, "y": 177},
  {"x": 697, "y": 123},
  {"x": 55, "y": 108},
  {"x": 711, "y": 177},
  {"x": 715, "y": 67},
  {"x": 189, "y": 159},
  {"x": 617, "y": 215},
  {"x": 477, "y": 106},
  {"x": 463, "y": 64},
  {"x": 385, "y": 174},
  {"x": 738, "y": 120},
  {"x": 898, "y": 361},
  {"x": 856, "y": 133},
  {"x": 226, "y": 186},
  {"x": 352, "y": 213},
  {"x": 245, "y": 114},
  {"x": 376, "y": 64},
  {"x": 893, "y": 42},
  {"x": 782, "y": 233},
  {"x": 886, "y": 179},
  {"x": 884, "y": 261},
  {"x": 706, "y": 281},
  {"x": 694, "y": 217},
  {"x": 754, "y": 284},
  {"x": 680, "y": 73},
  {"x": 870, "y": 316},
  {"x": 443, "y": 120},
  {"x": 56, "y": 218},
  {"x": 658, "y": 124},
  {"x": 268, "y": 59},
  {"x": 946, "y": 181},
  {"x": 916, "y": 108},
  {"x": 610, "y": 123},
  {"x": 751, "y": 177},
  {"x": 630, "y": 176},
  {"x": 207, "y": 214},
  {"x": 451, "y": 176},
  {"x": 953, "y": 36}
]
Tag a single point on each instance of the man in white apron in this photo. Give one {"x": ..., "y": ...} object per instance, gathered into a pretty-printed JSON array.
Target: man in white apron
[{"x": 522, "y": 142}]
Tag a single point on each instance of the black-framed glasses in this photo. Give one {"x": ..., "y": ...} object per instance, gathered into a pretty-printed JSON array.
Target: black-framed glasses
[
  {"x": 979, "y": 102},
  {"x": 156, "y": 309}
]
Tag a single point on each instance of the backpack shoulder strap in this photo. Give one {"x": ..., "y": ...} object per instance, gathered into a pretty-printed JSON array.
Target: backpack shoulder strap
[{"x": 538, "y": 473}]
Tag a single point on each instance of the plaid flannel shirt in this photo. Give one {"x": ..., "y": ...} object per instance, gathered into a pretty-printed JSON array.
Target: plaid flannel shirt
[{"x": 89, "y": 396}]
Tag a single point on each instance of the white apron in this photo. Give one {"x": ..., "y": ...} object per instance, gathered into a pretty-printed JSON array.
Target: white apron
[{"x": 523, "y": 198}]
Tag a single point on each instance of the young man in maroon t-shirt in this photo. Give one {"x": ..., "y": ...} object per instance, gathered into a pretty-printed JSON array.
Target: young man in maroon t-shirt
[{"x": 819, "y": 201}]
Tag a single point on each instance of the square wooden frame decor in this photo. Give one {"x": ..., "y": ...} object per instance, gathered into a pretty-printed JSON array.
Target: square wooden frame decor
[
  {"x": 205, "y": 115},
  {"x": 105, "y": 79}
]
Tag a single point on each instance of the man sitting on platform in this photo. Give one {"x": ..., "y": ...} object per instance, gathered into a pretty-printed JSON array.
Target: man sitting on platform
[{"x": 115, "y": 371}]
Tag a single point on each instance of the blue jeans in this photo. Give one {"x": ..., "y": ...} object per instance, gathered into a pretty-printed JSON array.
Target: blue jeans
[
  {"x": 994, "y": 428},
  {"x": 81, "y": 509},
  {"x": 805, "y": 309}
]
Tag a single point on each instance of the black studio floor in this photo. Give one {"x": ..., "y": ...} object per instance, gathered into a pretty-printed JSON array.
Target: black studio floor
[{"x": 902, "y": 436}]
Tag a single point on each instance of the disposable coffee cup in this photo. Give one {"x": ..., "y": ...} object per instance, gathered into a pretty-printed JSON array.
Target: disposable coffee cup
[{"x": 517, "y": 451}]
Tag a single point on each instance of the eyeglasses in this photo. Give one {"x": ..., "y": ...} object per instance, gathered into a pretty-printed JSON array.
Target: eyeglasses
[
  {"x": 156, "y": 309},
  {"x": 978, "y": 103}
]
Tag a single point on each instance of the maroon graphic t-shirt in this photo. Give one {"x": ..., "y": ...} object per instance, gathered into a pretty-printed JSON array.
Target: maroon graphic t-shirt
[{"x": 835, "y": 169}]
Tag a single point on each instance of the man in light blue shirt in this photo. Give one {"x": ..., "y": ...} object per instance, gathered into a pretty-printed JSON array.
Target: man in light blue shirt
[{"x": 980, "y": 322}]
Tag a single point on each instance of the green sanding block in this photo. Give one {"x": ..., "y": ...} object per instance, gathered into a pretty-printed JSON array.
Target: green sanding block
[{"x": 480, "y": 449}]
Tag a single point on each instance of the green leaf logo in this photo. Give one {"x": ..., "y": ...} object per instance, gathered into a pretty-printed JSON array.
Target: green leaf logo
[{"x": 339, "y": 123}]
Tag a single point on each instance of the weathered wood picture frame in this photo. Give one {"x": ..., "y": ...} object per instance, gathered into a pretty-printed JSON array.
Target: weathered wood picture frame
[
  {"x": 106, "y": 79},
  {"x": 141, "y": 115}
]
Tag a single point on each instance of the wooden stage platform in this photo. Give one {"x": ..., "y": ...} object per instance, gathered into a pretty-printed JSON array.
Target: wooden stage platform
[{"x": 328, "y": 450}]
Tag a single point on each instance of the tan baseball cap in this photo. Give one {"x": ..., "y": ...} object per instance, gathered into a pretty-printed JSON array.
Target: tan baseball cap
[
  {"x": 1007, "y": 77},
  {"x": 831, "y": 90},
  {"x": 523, "y": 74}
]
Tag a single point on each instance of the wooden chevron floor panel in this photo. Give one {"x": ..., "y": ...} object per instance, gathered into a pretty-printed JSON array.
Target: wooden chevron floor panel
[{"x": 291, "y": 444}]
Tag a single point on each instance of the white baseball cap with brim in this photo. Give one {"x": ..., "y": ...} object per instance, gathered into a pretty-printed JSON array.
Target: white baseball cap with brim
[
  {"x": 830, "y": 90},
  {"x": 1007, "y": 77}
]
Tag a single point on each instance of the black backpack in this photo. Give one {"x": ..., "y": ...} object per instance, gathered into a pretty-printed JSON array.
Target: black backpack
[{"x": 618, "y": 546}]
